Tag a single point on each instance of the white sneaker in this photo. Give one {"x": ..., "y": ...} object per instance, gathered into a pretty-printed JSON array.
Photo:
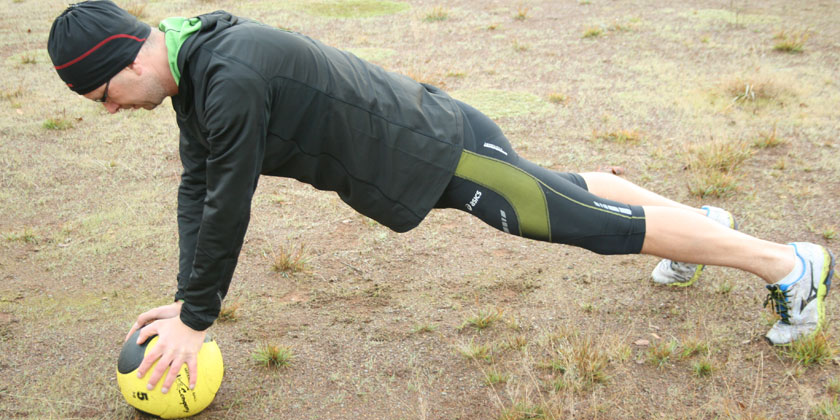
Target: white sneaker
[
  {"x": 800, "y": 302},
  {"x": 675, "y": 273}
]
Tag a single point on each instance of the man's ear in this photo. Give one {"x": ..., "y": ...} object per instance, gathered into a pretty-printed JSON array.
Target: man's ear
[{"x": 135, "y": 67}]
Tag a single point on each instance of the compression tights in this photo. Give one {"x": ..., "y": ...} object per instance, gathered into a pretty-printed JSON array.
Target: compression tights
[{"x": 519, "y": 197}]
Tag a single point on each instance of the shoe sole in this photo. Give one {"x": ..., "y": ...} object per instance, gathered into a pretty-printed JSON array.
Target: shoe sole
[
  {"x": 697, "y": 272},
  {"x": 822, "y": 291}
]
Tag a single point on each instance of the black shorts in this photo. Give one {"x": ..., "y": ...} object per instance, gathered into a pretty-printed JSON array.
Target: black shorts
[{"x": 519, "y": 197}]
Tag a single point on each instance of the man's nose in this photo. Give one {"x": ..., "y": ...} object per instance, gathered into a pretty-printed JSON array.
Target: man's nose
[{"x": 111, "y": 107}]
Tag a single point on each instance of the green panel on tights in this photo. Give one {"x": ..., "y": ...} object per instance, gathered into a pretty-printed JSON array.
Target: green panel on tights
[{"x": 520, "y": 189}]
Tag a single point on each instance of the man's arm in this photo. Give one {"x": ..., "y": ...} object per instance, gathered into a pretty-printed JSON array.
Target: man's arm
[
  {"x": 191, "y": 194},
  {"x": 235, "y": 116}
]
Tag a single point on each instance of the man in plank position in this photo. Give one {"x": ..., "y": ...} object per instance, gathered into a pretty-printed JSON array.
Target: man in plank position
[{"x": 254, "y": 100}]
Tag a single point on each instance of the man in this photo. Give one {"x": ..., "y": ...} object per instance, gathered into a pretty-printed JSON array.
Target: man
[{"x": 253, "y": 100}]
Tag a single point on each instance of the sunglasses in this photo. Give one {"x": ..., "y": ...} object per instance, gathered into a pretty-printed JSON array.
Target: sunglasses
[{"x": 104, "y": 97}]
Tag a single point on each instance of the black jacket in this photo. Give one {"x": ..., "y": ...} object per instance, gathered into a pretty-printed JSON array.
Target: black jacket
[{"x": 255, "y": 100}]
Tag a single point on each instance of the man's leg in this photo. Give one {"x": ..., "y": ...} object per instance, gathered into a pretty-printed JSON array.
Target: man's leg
[
  {"x": 619, "y": 189},
  {"x": 684, "y": 235},
  {"x": 591, "y": 211},
  {"x": 668, "y": 272}
]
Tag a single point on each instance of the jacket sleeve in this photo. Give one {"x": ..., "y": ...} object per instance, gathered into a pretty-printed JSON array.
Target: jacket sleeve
[
  {"x": 235, "y": 116},
  {"x": 191, "y": 194}
]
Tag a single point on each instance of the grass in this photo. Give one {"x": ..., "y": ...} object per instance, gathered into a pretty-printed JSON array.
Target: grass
[
  {"x": 57, "y": 124},
  {"x": 712, "y": 166},
  {"x": 692, "y": 347},
  {"x": 660, "y": 353},
  {"x": 348, "y": 9},
  {"x": 580, "y": 361},
  {"x": 424, "y": 328},
  {"x": 592, "y": 32},
  {"x": 494, "y": 377},
  {"x": 756, "y": 90},
  {"x": 521, "y": 13},
  {"x": 768, "y": 139},
  {"x": 26, "y": 236},
  {"x": 520, "y": 47},
  {"x": 517, "y": 342},
  {"x": 827, "y": 410},
  {"x": 289, "y": 260},
  {"x": 10, "y": 95},
  {"x": 811, "y": 350},
  {"x": 557, "y": 98},
  {"x": 724, "y": 287},
  {"x": 504, "y": 104},
  {"x": 28, "y": 59},
  {"x": 790, "y": 41},
  {"x": 702, "y": 368},
  {"x": 483, "y": 319},
  {"x": 474, "y": 351},
  {"x": 833, "y": 386},
  {"x": 522, "y": 410},
  {"x": 136, "y": 9},
  {"x": 272, "y": 356},
  {"x": 228, "y": 313},
  {"x": 437, "y": 14},
  {"x": 622, "y": 137}
]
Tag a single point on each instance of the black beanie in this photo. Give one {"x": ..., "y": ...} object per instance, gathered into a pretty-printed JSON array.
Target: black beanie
[{"x": 92, "y": 41}]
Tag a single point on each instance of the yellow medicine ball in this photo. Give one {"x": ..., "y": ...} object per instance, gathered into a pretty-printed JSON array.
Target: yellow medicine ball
[{"x": 180, "y": 401}]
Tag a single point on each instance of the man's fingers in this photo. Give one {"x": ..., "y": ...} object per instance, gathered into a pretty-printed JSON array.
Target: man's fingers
[
  {"x": 174, "y": 369},
  {"x": 147, "y": 332},
  {"x": 158, "y": 371},
  {"x": 153, "y": 355},
  {"x": 131, "y": 331},
  {"x": 192, "y": 367}
]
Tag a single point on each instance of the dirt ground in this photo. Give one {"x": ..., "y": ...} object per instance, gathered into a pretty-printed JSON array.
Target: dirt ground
[{"x": 392, "y": 326}]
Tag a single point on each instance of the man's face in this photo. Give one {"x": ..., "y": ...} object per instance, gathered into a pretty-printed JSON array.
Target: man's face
[{"x": 128, "y": 89}]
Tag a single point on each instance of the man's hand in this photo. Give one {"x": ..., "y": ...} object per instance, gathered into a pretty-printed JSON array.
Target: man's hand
[
  {"x": 172, "y": 310},
  {"x": 177, "y": 344}
]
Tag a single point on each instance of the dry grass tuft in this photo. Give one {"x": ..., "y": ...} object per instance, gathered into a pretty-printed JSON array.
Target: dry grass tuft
[
  {"x": 790, "y": 41},
  {"x": 26, "y": 236},
  {"x": 660, "y": 353},
  {"x": 619, "y": 136},
  {"x": 827, "y": 410},
  {"x": 273, "y": 356},
  {"x": 523, "y": 410},
  {"x": 580, "y": 361},
  {"x": 474, "y": 351},
  {"x": 437, "y": 14},
  {"x": 558, "y": 98},
  {"x": 768, "y": 139},
  {"x": 757, "y": 90},
  {"x": 521, "y": 13},
  {"x": 137, "y": 9},
  {"x": 228, "y": 313},
  {"x": 288, "y": 260},
  {"x": 702, "y": 368},
  {"x": 712, "y": 167},
  {"x": 483, "y": 319},
  {"x": 494, "y": 377},
  {"x": 811, "y": 350},
  {"x": 57, "y": 124},
  {"x": 592, "y": 32}
]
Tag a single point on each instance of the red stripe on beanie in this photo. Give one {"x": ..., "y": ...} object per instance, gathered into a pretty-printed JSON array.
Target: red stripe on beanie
[{"x": 98, "y": 46}]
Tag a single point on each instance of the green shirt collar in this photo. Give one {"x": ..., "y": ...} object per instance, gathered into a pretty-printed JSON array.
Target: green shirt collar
[{"x": 176, "y": 31}]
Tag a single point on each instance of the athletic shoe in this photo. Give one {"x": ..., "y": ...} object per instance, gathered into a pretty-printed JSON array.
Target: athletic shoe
[
  {"x": 800, "y": 302},
  {"x": 675, "y": 273}
]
